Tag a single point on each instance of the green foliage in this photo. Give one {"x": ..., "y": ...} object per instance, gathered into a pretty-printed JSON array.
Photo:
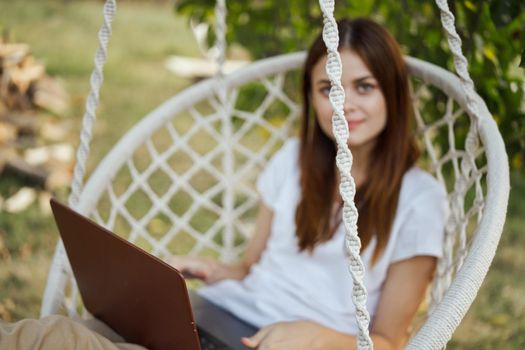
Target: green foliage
[{"x": 493, "y": 34}]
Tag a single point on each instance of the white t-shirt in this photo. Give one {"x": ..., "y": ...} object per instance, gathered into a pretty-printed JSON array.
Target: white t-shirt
[{"x": 288, "y": 285}]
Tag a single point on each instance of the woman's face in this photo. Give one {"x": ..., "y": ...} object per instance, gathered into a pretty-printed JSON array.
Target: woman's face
[{"x": 365, "y": 105}]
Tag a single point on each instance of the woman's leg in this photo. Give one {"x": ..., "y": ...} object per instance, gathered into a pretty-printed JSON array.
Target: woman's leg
[{"x": 55, "y": 332}]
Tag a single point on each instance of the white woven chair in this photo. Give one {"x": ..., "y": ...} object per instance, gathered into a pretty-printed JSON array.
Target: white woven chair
[
  {"x": 176, "y": 184},
  {"x": 181, "y": 181}
]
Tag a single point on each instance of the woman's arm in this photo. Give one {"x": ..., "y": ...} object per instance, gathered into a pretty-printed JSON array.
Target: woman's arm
[
  {"x": 211, "y": 270},
  {"x": 257, "y": 243},
  {"x": 403, "y": 291}
]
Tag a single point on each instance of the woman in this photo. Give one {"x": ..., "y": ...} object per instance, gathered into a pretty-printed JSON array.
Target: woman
[{"x": 293, "y": 281}]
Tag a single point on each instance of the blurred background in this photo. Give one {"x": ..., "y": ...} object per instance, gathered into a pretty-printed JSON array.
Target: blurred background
[{"x": 46, "y": 55}]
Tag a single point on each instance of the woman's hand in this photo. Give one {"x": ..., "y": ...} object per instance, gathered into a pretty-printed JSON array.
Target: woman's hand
[
  {"x": 308, "y": 335},
  {"x": 206, "y": 269},
  {"x": 211, "y": 271},
  {"x": 305, "y": 335}
]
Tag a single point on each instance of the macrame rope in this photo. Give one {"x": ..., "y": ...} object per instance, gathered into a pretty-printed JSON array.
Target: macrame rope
[
  {"x": 344, "y": 164},
  {"x": 460, "y": 61},
  {"x": 58, "y": 277},
  {"x": 461, "y": 65},
  {"x": 92, "y": 102},
  {"x": 468, "y": 167},
  {"x": 220, "y": 32},
  {"x": 225, "y": 111}
]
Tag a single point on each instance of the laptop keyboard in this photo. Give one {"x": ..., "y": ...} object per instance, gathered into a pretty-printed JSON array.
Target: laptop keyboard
[{"x": 209, "y": 342}]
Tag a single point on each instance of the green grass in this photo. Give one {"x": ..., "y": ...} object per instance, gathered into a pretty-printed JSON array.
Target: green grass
[
  {"x": 63, "y": 35},
  {"x": 496, "y": 319}
]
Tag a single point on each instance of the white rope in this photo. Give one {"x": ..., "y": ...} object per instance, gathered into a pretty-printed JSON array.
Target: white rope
[
  {"x": 344, "y": 163},
  {"x": 58, "y": 276},
  {"x": 220, "y": 32},
  {"x": 224, "y": 109},
  {"x": 460, "y": 62},
  {"x": 461, "y": 65},
  {"x": 92, "y": 102},
  {"x": 468, "y": 161}
]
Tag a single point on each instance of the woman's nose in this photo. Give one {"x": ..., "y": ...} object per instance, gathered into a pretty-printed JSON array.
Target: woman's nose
[{"x": 349, "y": 104}]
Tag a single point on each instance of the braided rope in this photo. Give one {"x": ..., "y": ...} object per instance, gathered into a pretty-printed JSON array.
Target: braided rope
[
  {"x": 461, "y": 65},
  {"x": 460, "y": 62},
  {"x": 58, "y": 277},
  {"x": 220, "y": 32},
  {"x": 344, "y": 161},
  {"x": 224, "y": 108},
  {"x": 468, "y": 165},
  {"x": 92, "y": 102}
]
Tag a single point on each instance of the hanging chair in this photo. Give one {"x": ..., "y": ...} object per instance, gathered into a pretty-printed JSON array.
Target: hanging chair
[{"x": 181, "y": 181}]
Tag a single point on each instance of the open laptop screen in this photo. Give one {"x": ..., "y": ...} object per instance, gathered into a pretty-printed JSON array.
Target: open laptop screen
[{"x": 138, "y": 295}]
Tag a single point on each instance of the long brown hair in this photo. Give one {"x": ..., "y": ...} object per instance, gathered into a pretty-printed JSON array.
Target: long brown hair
[{"x": 394, "y": 152}]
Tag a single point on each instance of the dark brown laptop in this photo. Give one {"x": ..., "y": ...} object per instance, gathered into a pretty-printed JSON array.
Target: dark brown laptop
[{"x": 139, "y": 296}]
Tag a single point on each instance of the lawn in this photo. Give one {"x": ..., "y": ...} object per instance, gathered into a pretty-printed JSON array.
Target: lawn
[{"x": 63, "y": 35}]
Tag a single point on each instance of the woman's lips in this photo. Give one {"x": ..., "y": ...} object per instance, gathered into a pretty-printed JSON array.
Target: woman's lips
[{"x": 352, "y": 124}]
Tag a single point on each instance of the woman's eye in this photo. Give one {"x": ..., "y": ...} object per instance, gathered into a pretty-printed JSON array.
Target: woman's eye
[
  {"x": 325, "y": 90},
  {"x": 363, "y": 88}
]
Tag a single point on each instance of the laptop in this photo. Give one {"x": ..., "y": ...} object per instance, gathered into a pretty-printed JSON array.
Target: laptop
[{"x": 139, "y": 296}]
